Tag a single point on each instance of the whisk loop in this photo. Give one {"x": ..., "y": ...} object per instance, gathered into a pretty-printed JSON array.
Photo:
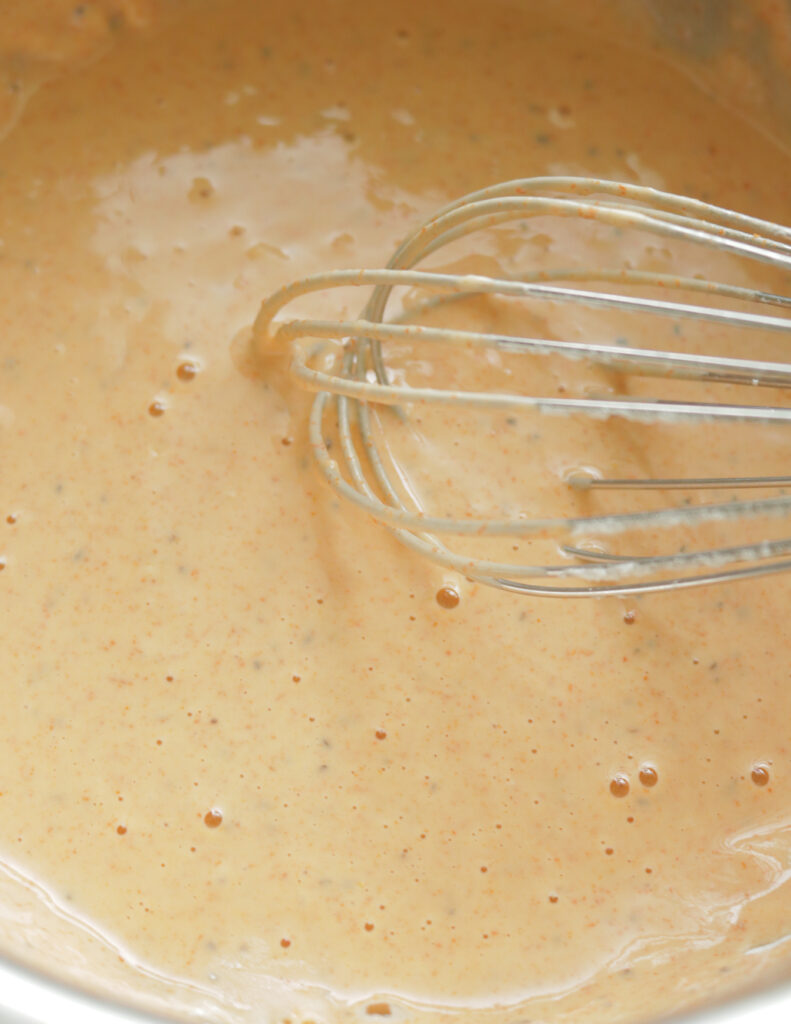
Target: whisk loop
[{"x": 359, "y": 380}]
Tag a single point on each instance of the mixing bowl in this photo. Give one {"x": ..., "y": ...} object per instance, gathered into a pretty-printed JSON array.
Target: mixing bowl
[{"x": 738, "y": 51}]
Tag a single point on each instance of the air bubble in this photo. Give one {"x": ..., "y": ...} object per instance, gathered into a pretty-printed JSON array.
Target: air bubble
[
  {"x": 619, "y": 785},
  {"x": 186, "y": 371},
  {"x": 448, "y": 597},
  {"x": 648, "y": 775},
  {"x": 760, "y": 774}
]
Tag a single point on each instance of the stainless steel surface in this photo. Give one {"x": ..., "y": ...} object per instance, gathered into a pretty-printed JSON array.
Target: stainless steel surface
[{"x": 30, "y": 998}]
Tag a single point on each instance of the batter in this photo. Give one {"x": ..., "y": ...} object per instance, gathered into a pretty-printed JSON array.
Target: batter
[{"x": 252, "y": 767}]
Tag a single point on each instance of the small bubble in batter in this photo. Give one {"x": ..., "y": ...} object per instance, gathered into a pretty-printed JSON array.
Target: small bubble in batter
[
  {"x": 760, "y": 774},
  {"x": 187, "y": 371},
  {"x": 10, "y": 519},
  {"x": 381, "y": 734},
  {"x": 648, "y": 775},
  {"x": 212, "y": 818},
  {"x": 619, "y": 785},
  {"x": 156, "y": 408},
  {"x": 368, "y": 926},
  {"x": 285, "y": 943},
  {"x": 121, "y": 830},
  {"x": 448, "y": 597},
  {"x": 202, "y": 188},
  {"x": 630, "y": 617}
]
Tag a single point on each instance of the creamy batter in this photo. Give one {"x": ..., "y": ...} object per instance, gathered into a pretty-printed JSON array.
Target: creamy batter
[{"x": 244, "y": 746}]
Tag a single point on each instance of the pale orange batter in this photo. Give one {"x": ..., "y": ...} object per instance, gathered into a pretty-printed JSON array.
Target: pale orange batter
[{"x": 242, "y": 740}]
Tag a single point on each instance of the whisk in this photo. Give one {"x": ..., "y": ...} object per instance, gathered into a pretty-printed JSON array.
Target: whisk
[{"x": 359, "y": 381}]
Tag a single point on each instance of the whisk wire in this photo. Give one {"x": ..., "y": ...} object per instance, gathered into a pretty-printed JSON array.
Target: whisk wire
[{"x": 360, "y": 381}]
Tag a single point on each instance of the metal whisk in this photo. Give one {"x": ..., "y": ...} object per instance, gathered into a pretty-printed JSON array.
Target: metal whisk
[{"x": 359, "y": 381}]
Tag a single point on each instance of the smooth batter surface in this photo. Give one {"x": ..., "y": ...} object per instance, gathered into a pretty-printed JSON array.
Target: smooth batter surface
[{"x": 240, "y": 737}]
